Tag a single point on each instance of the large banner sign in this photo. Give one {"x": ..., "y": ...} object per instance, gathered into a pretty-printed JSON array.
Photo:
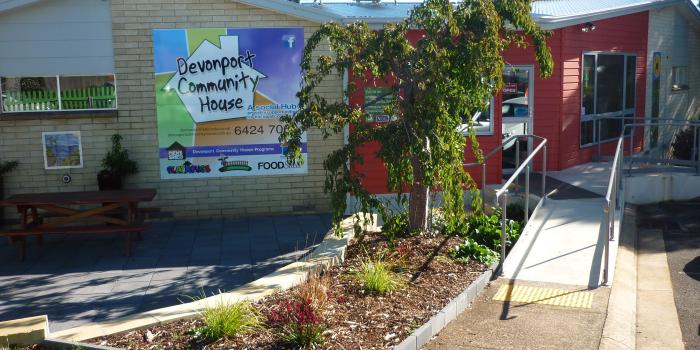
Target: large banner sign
[{"x": 219, "y": 96}]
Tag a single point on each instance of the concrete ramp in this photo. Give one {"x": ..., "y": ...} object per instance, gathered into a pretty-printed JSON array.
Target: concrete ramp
[{"x": 562, "y": 243}]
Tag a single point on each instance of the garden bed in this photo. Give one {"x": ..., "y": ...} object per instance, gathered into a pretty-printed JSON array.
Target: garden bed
[{"x": 351, "y": 316}]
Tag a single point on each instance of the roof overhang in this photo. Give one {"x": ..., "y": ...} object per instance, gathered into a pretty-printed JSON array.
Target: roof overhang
[
  {"x": 311, "y": 13},
  {"x": 556, "y": 22},
  {"x": 9, "y": 5}
]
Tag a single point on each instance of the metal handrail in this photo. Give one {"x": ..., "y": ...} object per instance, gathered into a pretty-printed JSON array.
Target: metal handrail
[
  {"x": 502, "y": 193},
  {"x": 613, "y": 197}
]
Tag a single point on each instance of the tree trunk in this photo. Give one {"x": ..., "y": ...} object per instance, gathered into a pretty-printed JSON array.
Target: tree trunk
[{"x": 418, "y": 203}]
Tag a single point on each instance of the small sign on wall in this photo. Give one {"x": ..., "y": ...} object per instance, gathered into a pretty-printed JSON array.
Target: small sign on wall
[
  {"x": 510, "y": 88},
  {"x": 62, "y": 150}
]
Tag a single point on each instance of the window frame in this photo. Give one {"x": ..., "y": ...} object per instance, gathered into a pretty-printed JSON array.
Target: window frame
[
  {"x": 675, "y": 84},
  {"x": 58, "y": 95},
  {"x": 597, "y": 117},
  {"x": 490, "y": 132}
]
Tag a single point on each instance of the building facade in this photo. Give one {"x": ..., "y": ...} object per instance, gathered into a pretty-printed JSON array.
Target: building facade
[{"x": 603, "y": 78}]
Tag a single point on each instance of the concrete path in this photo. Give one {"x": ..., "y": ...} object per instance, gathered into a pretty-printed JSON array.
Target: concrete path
[
  {"x": 493, "y": 324},
  {"x": 563, "y": 244},
  {"x": 669, "y": 275},
  {"x": 81, "y": 279}
]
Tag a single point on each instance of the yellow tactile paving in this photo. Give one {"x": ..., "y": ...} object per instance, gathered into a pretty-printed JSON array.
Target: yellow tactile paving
[{"x": 547, "y": 296}]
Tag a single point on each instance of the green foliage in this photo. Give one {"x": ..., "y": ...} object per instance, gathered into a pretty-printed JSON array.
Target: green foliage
[
  {"x": 683, "y": 144},
  {"x": 395, "y": 226},
  {"x": 304, "y": 335},
  {"x": 376, "y": 276},
  {"x": 451, "y": 71},
  {"x": 117, "y": 159},
  {"x": 471, "y": 250},
  {"x": 515, "y": 211},
  {"x": 7, "y": 166},
  {"x": 225, "y": 319},
  {"x": 486, "y": 230}
]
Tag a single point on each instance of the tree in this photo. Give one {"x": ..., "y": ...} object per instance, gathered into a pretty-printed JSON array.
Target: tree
[{"x": 451, "y": 72}]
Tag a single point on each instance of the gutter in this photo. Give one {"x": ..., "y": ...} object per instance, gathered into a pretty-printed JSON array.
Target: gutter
[
  {"x": 556, "y": 22},
  {"x": 310, "y": 13}
]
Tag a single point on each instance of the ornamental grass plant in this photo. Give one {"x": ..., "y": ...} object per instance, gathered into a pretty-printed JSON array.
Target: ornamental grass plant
[
  {"x": 226, "y": 319},
  {"x": 375, "y": 276}
]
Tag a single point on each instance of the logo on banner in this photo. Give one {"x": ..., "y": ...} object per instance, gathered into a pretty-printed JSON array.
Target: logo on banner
[
  {"x": 231, "y": 165},
  {"x": 188, "y": 168}
]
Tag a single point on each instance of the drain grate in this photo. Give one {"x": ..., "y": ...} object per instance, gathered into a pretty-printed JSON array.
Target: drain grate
[{"x": 546, "y": 296}]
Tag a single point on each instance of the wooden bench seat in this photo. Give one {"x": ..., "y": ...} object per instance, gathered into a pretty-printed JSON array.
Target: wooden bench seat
[{"x": 19, "y": 235}]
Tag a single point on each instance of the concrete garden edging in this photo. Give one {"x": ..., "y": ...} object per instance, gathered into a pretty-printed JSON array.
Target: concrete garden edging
[
  {"x": 329, "y": 252},
  {"x": 456, "y": 306}
]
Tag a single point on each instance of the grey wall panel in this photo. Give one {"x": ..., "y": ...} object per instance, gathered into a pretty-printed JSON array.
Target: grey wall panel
[
  {"x": 57, "y": 37},
  {"x": 74, "y": 31},
  {"x": 22, "y": 67}
]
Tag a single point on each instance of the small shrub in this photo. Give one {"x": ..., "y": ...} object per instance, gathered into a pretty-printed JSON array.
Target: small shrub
[
  {"x": 486, "y": 230},
  {"x": 438, "y": 223},
  {"x": 515, "y": 211},
  {"x": 682, "y": 147},
  {"x": 395, "y": 226},
  {"x": 316, "y": 289},
  {"x": 299, "y": 322},
  {"x": 470, "y": 250},
  {"x": 224, "y": 319},
  {"x": 376, "y": 276}
]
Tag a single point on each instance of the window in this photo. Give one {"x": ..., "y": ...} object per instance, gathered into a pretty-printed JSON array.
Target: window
[
  {"x": 607, "y": 95},
  {"x": 57, "y": 93},
  {"x": 481, "y": 121},
  {"x": 679, "y": 76}
]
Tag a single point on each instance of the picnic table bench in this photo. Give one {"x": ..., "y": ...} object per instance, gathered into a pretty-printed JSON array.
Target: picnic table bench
[{"x": 100, "y": 206}]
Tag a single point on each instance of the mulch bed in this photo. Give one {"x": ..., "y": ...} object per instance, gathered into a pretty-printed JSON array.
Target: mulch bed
[{"x": 355, "y": 319}]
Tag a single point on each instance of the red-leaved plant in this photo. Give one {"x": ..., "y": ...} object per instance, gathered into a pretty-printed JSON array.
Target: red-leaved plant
[{"x": 299, "y": 323}]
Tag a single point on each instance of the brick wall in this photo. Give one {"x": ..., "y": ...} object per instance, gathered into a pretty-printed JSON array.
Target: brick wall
[{"x": 132, "y": 22}]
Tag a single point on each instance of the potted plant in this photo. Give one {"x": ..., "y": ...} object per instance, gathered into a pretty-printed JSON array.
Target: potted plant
[
  {"x": 5, "y": 167},
  {"x": 116, "y": 165}
]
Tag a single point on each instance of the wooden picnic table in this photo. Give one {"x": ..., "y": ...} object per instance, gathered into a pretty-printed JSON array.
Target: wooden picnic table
[{"x": 100, "y": 206}]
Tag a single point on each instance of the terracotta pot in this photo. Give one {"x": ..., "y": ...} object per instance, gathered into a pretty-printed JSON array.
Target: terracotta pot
[{"x": 107, "y": 181}]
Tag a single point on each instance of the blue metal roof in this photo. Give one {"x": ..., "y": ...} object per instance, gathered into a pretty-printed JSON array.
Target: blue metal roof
[{"x": 549, "y": 14}]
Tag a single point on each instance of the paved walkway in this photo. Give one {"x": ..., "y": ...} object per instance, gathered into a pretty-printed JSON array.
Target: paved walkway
[
  {"x": 79, "y": 279},
  {"x": 675, "y": 227},
  {"x": 564, "y": 242},
  {"x": 532, "y": 324}
]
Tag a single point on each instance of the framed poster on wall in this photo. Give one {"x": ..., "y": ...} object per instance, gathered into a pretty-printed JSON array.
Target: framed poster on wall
[
  {"x": 62, "y": 150},
  {"x": 219, "y": 95}
]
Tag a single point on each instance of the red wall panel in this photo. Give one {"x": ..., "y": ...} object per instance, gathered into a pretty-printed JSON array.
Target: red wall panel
[{"x": 557, "y": 99}]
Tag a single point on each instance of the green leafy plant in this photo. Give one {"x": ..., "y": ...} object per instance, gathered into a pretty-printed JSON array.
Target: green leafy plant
[
  {"x": 395, "y": 226},
  {"x": 682, "y": 147},
  {"x": 452, "y": 69},
  {"x": 7, "y": 166},
  {"x": 225, "y": 319},
  {"x": 471, "y": 250},
  {"x": 117, "y": 161},
  {"x": 515, "y": 211},
  {"x": 376, "y": 276},
  {"x": 486, "y": 230}
]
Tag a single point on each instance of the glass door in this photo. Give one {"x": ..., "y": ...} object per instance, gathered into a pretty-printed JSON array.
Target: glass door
[{"x": 517, "y": 112}]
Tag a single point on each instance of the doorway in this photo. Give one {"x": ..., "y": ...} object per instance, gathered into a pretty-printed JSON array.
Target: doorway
[{"x": 517, "y": 100}]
